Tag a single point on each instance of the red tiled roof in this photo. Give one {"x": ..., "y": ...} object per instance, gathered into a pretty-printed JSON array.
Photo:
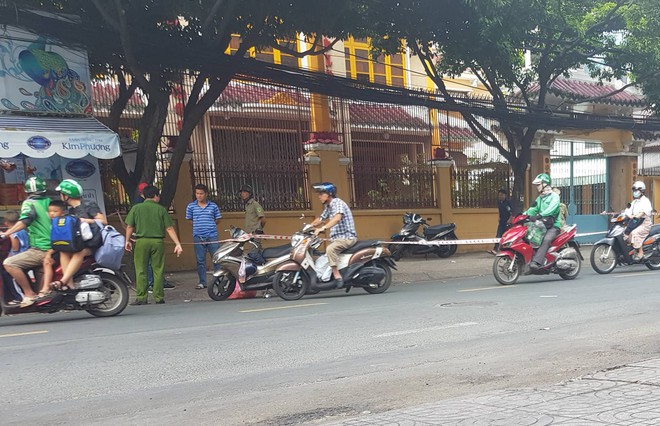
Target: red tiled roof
[
  {"x": 239, "y": 93},
  {"x": 385, "y": 116},
  {"x": 578, "y": 90},
  {"x": 104, "y": 93}
]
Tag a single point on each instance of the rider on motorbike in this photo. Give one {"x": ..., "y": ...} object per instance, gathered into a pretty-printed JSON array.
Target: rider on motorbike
[
  {"x": 337, "y": 216},
  {"x": 546, "y": 209},
  {"x": 640, "y": 212}
]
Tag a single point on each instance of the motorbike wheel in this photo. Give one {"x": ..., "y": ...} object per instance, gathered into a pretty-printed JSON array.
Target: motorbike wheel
[
  {"x": 501, "y": 269},
  {"x": 222, "y": 287},
  {"x": 600, "y": 263},
  {"x": 449, "y": 250},
  {"x": 385, "y": 283},
  {"x": 289, "y": 288},
  {"x": 117, "y": 297},
  {"x": 396, "y": 251},
  {"x": 573, "y": 273},
  {"x": 653, "y": 263}
]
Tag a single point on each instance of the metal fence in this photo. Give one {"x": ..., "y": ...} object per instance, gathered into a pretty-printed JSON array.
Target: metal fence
[
  {"x": 477, "y": 187},
  {"x": 589, "y": 198}
]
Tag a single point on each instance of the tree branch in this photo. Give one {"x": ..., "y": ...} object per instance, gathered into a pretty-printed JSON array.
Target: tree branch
[{"x": 106, "y": 16}]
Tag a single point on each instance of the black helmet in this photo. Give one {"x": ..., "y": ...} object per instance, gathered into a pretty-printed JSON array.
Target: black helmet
[
  {"x": 246, "y": 188},
  {"x": 327, "y": 187}
]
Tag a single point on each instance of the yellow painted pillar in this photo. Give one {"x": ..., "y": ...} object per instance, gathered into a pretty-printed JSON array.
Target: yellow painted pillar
[
  {"x": 443, "y": 189},
  {"x": 319, "y": 108},
  {"x": 621, "y": 172}
]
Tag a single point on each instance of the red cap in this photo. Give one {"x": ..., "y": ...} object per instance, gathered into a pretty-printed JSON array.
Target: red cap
[{"x": 142, "y": 186}]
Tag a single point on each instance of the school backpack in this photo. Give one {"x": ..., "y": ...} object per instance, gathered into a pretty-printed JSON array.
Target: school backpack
[
  {"x": 65, "y": 234},
  {"x": 111, "y": 251}
]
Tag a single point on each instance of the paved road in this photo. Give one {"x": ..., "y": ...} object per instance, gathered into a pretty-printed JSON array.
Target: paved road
[{"x": 322, "y": 359}]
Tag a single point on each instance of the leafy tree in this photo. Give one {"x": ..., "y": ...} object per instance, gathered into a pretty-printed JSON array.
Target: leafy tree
[
  {"x": 489, "y": 38},
  {"x": 156, "y": 45}
]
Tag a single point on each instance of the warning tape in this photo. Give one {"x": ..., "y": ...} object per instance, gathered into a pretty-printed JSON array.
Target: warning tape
[{"x": 654, "y": 213}]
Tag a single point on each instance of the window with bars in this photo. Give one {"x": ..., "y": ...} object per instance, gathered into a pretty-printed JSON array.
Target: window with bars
[{"x": 385, "y": 69}]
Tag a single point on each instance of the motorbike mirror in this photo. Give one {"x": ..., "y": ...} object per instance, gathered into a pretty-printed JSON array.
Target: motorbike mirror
[{"x": 628, "y": 205}]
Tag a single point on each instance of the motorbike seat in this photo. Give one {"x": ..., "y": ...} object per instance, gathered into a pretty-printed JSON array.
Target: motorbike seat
[
  {"x": 436, "y": 229},
  {"x": 655, "y": 229},
  {"x": 362, "y": 245},
  {"x": 274, "y": 252}
]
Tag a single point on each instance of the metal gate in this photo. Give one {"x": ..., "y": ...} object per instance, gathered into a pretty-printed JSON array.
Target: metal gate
[{"x": 579, "y": 169}]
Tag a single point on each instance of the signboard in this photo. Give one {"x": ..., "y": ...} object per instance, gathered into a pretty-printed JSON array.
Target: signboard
[{"x": 40, "y": 75}]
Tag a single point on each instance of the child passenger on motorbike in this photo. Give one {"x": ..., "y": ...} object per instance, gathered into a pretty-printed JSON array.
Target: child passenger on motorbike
[
  {"x": 71, "y": 194},
  {"x": 545, "y": 209},
  {"x": 56, "y": 208}
]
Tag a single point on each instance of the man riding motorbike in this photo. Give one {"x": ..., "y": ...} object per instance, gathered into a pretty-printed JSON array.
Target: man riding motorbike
[
  {"x": 640, "y": 219},
  {"x": 546, "y": 209}
]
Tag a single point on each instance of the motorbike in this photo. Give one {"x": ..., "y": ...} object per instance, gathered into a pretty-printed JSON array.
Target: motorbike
[
  {"x": 515, "y": 254},
  {"x": 613, "y": 250},
  {"x": 366, "y": 265},
  {"x": 233, "y": 265},
  {"x": 100, "y": 291},
  {"x": 411, "y": 224}
]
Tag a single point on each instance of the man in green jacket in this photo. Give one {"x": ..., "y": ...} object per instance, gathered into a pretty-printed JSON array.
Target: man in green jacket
[
  {"x": 150, "y": 222},
  {"x": 546, "y": 209}
]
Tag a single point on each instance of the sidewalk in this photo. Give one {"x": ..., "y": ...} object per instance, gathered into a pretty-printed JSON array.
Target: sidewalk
[
  {"x": 409, "y": 270},
  {"x": 625, "y": 395}
]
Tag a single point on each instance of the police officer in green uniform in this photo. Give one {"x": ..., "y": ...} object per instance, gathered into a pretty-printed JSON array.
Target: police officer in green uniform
[
  {"x": 150, "y": 221},
  {"x": 255, "y": 219}
]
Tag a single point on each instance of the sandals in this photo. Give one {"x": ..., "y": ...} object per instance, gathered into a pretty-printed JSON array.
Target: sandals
[{"x": 59, "y": 285}]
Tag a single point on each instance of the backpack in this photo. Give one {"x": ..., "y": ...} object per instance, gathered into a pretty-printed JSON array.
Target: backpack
[
  {"x": 65, "y": 234},
  {"x": 111, "y": 251}
]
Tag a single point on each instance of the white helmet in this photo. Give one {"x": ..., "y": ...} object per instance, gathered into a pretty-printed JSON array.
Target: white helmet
[{"x": 639, "y": 186}]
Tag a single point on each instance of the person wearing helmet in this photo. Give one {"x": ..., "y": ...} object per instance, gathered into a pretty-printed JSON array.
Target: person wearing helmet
[
  {"x": 546, "y": 209},
  {"x": 71, "y": 193},
  {"x": 34, "y": 217},
  {"x": 337, "y": 217},
  {"x": 640, "y": 212},
  {"x": 255, "y": 219}
]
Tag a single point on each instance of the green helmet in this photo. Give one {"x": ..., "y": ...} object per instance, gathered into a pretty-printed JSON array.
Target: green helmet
[
  {"x": 70, "y": 188},
  {"x": 35, "y": 185},
  {"x": 542, "y": 178}
]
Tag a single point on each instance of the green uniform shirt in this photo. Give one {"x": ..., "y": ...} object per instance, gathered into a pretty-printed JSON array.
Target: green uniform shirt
[
  {"x": 547, "y": 205},
  {"x": 34, "y": 213},
  {"x": 149, "y": 219},
  {"x": 253, "y": 212}
]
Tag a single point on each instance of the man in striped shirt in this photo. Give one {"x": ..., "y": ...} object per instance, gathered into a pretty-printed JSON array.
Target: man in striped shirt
[{"x": 204, "y": 215}]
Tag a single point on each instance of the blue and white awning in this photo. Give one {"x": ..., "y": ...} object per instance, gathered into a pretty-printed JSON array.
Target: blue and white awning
[{"x": 42, "y": 137}]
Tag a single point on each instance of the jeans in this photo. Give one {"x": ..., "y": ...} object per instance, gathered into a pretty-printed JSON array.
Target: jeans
[
  {"x": 501, "y": 229},
  {"x": 203, "y": 245}
]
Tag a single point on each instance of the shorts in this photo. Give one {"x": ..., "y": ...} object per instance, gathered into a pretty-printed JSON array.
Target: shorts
[{"x": 29, "y": 259}]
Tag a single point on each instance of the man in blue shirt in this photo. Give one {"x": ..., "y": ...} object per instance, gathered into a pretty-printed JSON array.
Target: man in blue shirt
[
  {"x": 204, "y": 215},
  {"x": 338, "y": 218}
]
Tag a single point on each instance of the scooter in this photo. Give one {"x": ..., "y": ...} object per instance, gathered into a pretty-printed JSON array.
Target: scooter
[
  {"x": 411, "y": 224},
  {"x": 255, "y": 272},
  {"x": 563, "y": 256},
  {"x": 100, "y": 291},
  {"x": 366, "y": 265},
  {"x": 613, "y": 250}
]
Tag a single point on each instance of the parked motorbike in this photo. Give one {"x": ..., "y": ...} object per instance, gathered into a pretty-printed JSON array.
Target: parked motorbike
[
  {"x": 101, "y": 291},
  {"x": 515, "y": 254},
  {"x": 411, "y": 224},
  {"x": 613, "y": 250},
  {"x": 229, "y": 256},
  {"x": 366, "y": 265}
]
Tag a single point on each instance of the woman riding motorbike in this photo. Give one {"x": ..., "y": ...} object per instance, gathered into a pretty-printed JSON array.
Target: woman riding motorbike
[
  {"x": 640, "y": 219},
  {"x": 546, "y": 209}
]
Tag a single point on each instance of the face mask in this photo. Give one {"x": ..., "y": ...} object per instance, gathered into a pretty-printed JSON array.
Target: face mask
[{"x": 637, "y": 194}]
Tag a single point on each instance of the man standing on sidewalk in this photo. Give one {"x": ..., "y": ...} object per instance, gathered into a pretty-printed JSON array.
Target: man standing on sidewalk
[
  {"x": 255, "y": 219},
  {"x": 504, "y": 210},
  {"x": 150, "y": 221},
  {"x": 204, "y": 215}
]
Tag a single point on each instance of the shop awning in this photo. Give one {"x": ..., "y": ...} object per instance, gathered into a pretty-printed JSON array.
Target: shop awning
[{"x": 42, "y": 137}]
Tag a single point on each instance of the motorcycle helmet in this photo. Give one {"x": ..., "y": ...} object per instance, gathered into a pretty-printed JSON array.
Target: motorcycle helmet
[
  {"x": 638, "y": 189},
  {"x": 543, "y": 178},
  {"x": 326, "y": 187},
  {"x": 70, "y": 188},
  {"x": 417, "y": 218},
  {"x": 246, "y": 188},
  {"x": 35, "y": 185}
]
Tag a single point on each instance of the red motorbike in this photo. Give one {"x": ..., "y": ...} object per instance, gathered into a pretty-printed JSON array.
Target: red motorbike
[{"x": 516, "y": 252}]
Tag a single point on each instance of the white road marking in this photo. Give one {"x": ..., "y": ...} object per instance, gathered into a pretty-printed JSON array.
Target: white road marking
[
  {"x": 547, "y": 296},
  {"x": 634, "y": 274},
  {"x": 485, "y": 288},
  {"x": 425, "y": 330},
  {"x": 283, "y": 307},
  {"x": 27, "y": 333}
]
